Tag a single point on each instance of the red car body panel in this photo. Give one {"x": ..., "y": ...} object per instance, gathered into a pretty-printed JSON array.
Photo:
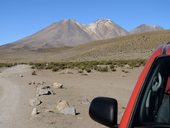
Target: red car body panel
[
  {"x": 168, "y": 49},
  {"x": 124, "y": 123}
]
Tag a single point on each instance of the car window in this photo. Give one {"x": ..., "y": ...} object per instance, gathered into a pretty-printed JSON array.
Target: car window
[{"x": 153, "y": 106}]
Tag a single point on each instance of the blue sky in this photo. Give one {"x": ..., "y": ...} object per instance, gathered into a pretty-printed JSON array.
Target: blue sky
[{"x": 20, "y": 18}]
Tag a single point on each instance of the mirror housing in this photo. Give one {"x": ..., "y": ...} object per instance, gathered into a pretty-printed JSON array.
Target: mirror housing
[{"x": 104, "y": 110}]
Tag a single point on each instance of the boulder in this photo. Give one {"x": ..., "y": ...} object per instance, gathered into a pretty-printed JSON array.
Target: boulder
[
  {"x": 84, "y": 73},
  {"x": 58, "y": 85},
  {"x": 69, "y": 111},
  {"x": 67, "y": 71},
  {"x": 127, "y": 66},
  {"x": 44, "y": 90},
  {"x": 34, "y": 112},
  {"x": 35, "y": 102},
  {"x": 62, "y": 104}
]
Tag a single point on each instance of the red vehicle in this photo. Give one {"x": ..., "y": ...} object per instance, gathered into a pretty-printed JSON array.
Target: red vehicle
[{"x": 149, "y": 105}]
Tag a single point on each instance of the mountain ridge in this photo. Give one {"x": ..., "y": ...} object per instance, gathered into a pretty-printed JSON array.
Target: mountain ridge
[
  {"x": 145, "y": 28},
  {"x": 70, "y": 33}
]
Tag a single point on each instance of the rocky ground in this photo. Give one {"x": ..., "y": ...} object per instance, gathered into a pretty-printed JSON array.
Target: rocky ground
[{"x": 46, "y": 99}]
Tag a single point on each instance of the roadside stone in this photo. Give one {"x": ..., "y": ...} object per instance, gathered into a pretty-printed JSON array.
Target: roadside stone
[
  {"x": 34, "y": 112},
  {"x": 84, "y": 73},
  {"x": 62, "y": 104},
  {"x": 35, "y": 102},
  {"x": 67, "y": 71},
  {"x": 69, "y": 111},
  {"x": 58, "y": 85},
  {"x": 21, "y": 75},
  {"x": 125, "y": 71},
  {"x": 34, "y": 73},
  {"x": 127, "y": 66},
  {"x": 44, "y": 90}
]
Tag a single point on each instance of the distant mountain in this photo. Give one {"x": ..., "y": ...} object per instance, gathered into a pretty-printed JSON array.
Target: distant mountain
[
  {"x": 105, "y": 28},
  {"x": 68, "y": 33},
  {"x": 60, "y": 34},
  {"x": 146, "y": 28}
]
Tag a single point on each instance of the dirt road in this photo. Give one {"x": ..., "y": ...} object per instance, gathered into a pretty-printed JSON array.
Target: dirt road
[
  {"x": 13, "y": 110},
  {"x": 9, "y": 100}
]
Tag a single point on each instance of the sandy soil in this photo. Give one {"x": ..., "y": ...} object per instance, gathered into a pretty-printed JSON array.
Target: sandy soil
[{"x": 15, "y": 92}]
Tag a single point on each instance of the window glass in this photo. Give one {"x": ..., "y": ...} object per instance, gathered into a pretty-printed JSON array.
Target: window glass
[{"x": 153, "y": 106}]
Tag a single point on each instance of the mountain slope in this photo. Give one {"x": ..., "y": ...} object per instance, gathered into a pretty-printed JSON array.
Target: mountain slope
[
  {"x": 68, "y": 33},
  {"x": 105, "y": 29},
  {"x": 127, "y": 47},
  {"x": 60, "y": 34},
  {"x": 145, "y": 28}
]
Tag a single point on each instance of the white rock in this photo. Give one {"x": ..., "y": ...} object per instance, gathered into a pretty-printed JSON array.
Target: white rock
[
  {"x": 69, "y": 111},
  {"x": 57, "y": 85},
  {"x": 84, "y": 73},
  {"x": 67, "y": 71},
  {"x": 34, "y": 112},
  {"x": 62, "y": 105},
  {"x": 127, "y": 66},
  {"x": 35, "y": 102}
]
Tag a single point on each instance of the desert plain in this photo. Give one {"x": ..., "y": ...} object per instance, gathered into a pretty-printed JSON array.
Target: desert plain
[{"x": 18, "y": 86}]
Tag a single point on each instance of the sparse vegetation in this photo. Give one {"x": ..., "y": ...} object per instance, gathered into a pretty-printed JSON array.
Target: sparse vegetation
[
  {"x": 7, "y": 64},
  {"x": 88, "y": 66},
  {"x": 126, "y": 47}
]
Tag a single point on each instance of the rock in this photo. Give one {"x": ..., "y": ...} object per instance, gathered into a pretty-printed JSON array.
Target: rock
[
  {"x": 125, "y": 71},
  {"x": 44, "y": 90},
  {"x": 34, "y": 112},
  {"x": 85, "y": 101},
  {"x": 64, "y": 108},
  {"x": 21, "y": 75},
  {"x": 69, "y": 111},
  {"x": 29, "y": 83},
  {"x": 127, "y": 66},
  {"x": 67, "y": 71},
  {"x": 58, "y": 85},
  {"x": 123, "y": 75},
  {"x": 62, "y": 104},
  {"x": 35, "y": 102},
  {"x": 34, "y": 73},
  {"x": 84, "y": 73}
]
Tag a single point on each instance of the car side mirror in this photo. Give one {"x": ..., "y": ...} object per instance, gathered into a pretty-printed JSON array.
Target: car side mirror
[{"x": 104, "y": 110}]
